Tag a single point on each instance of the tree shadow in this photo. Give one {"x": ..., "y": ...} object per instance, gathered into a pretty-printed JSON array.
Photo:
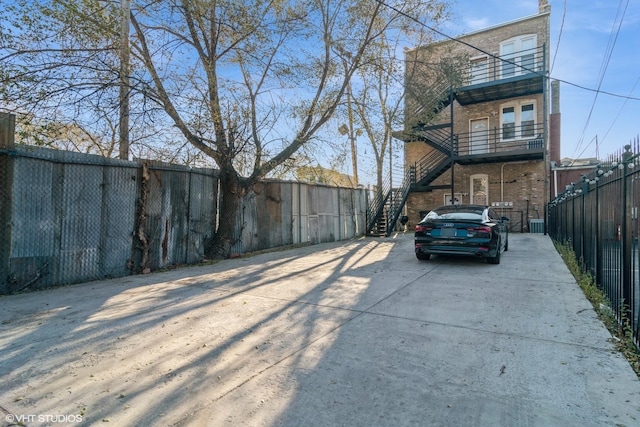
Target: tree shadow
[{"x": 162, "y": 348}]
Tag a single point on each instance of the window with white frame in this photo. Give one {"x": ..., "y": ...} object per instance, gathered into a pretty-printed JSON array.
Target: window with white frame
[
  {"x": 527, "y": 120},
  {"x": 518, "y": 120},
  {"x": 478, "y": 70},
  {"x": 518, "y": 55}
]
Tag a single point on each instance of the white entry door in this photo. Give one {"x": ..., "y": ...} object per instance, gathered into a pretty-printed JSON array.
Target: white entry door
[{"x": 479, "y": 139}]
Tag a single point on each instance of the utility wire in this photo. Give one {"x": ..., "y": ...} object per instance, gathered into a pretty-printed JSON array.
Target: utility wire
[
  {"x": 555, "y": 54},
  {"x": 603, "y": 68},
  {"x": 491, "y": 55},
  {"x": 621, "y": 108}
]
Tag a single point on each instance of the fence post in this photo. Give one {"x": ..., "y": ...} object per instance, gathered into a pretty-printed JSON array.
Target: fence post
[
  {"x": 626, "y": 240},
  {"x": 599, "y": 241},
  {"x": 7, "y": 132},
  {"x": 584, "y": 190},
  {"x": 573, "y": 223}
]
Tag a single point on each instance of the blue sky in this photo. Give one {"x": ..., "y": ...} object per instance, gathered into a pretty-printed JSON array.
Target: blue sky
[{"x": 586, "y": 50}]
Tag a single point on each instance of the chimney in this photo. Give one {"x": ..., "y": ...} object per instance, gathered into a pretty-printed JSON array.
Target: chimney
[{"x": 543, "y": 6}]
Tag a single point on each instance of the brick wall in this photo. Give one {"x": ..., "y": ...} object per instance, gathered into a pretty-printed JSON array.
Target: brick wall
[{"x": 522, "y": 183}]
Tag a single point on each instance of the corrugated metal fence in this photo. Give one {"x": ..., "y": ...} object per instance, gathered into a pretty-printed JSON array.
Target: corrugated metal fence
[
  {"x": 69, "y": 217},
  {"x": 599, "y": 218}
]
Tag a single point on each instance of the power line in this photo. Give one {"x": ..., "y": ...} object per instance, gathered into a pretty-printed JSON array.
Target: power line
[
  {"x": 491, "y": 55},
  {"x": 555, "y": 54},
  {"x": 603, "y": 68},
  {"x": 620, "y": 111}
]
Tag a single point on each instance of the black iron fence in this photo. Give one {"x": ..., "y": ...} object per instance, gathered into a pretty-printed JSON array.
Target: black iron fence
[{"x": 598, "y": 217}]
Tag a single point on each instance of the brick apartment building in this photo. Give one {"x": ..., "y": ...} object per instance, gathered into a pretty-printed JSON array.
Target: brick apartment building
[{"x": 478, "y": 124}]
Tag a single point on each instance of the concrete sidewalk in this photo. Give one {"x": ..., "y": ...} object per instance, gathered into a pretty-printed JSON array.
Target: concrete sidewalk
[{"x": 355, "y": 333}]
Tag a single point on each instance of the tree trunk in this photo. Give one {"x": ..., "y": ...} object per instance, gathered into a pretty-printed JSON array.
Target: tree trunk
[{"x": 232, "y": 191}]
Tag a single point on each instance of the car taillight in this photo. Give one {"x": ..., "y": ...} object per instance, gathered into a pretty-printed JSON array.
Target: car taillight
[
  {"x": 424, "y": 229},
  {"x": 479, "y": 231}
]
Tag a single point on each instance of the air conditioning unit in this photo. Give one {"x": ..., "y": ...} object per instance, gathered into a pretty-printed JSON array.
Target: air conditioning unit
[
  {"x": 536, "y": 226},
  {"x": 535, "y": 144}
]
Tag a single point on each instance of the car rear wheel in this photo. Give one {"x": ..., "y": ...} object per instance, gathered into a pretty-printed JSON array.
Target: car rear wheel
[
  {"x": 423, "y": 257},
  {"x": 495, "y": 259}
]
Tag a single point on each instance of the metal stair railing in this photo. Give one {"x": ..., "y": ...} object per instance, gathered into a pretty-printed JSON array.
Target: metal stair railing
[
  {"x": 432, "y": 166},
  {"x": 397, "y": 199},
  {"x": 429, "y": 106},
  {"x": 437, "y": 136},
  {"x": 425, "y": 171},
  {"x": 376, "y": 205},
  {"x": 443, "y": 99},
  {"x": 428, "y": 168}
]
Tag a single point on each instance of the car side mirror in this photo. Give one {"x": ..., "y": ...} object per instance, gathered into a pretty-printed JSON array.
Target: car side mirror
[{"x": 504, "y": 219}]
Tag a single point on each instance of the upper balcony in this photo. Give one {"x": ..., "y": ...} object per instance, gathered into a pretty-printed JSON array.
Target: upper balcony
[
  {"x": 493, "y": 78},
  {"x": 523, "y": 141},
  {"x": 509, "y": 143}
]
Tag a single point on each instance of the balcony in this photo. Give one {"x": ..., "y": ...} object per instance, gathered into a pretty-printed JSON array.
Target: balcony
[
  {"x": 508, "y": 144},
  {"x": 501, "y": 77},
  {"x": 511, "y": 143}
]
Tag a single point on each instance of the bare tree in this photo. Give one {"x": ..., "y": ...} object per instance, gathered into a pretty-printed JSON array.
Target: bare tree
[
  {"x": 393, "y": 74},
  {"x": 246, "y": 83}
]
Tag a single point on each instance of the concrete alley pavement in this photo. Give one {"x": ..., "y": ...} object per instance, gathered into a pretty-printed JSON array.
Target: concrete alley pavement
[{"x": 352, "y": 333}]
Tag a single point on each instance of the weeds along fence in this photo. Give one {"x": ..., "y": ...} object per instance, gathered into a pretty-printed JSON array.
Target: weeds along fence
[
  {"x": 598, "y": 217},
  {"x": 69, "y": 217}
]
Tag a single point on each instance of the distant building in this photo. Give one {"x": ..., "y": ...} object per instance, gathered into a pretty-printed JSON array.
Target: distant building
[
  {"x": 319, "y": 175},
  {"x": 570, "y": 171}
]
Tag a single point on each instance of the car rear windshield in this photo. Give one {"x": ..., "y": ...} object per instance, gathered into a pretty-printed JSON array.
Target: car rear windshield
[{"x": 473, "y": 216}]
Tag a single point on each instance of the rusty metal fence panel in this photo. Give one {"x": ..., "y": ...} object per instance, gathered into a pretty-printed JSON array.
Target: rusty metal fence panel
[
  {"x": 120, "y": 186},
  {"x": 598, "y": 217},
  {"x": 203, "y": 205},
  {"x": 281, "y": 213},
  {"x": 70, "y": 217},
  {"x": 352, "y": 208},
  {"x": 58, "y": 224}
]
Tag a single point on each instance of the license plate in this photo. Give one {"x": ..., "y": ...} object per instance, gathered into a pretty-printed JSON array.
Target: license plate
[{"x": 448, "y": 232}]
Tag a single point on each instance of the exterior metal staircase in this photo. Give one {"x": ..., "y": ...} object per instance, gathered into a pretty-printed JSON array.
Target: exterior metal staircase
[
  {"x": 385, "y": 208},
  {"x": 428, "y": 108}
]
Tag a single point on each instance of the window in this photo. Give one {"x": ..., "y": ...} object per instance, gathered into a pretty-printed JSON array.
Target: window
[
  {"x": 508, "y": 65},
  {"x": 508, "y": 123},
  {"x": 527, "y": 56},
  {"x": 527, "y": 122},
  {"x": 518, "y": 120},
  {"x": 478, "y": 72},
  {"x": 518, "y": 55}
]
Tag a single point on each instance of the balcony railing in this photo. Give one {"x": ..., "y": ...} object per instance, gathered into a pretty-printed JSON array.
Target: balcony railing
[
  {"x": 528, "y": 137},
  {"x": 490, "y": 69}
]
